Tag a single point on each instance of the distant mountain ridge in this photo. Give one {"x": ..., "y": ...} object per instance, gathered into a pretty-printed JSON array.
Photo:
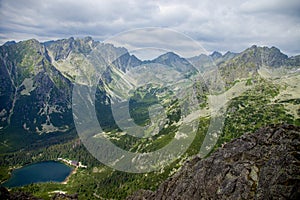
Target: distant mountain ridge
[
  {"x": 205, "y": 62},
  {"x": 173, "y": 60},
  {"x": 36, "y": 79},
  {"x": 247, "y": 63}
]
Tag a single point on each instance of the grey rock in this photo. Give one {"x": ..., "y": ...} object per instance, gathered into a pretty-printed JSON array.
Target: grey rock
[
  {"x": 60, "y": 196},
  {"x": 216, "y": 55},
  {"x": 17, "y": 195},
  {"x": 262, "y": 165},
  {"x": 173, "y": 60}
]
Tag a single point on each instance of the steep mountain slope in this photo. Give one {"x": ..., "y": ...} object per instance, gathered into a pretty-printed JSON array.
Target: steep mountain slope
[
  {"x": 34, "y": 70},
  {"x": 35, "y": 96},
  {"x": 173, "y": 60},
  {"x": 37, "y": 81},
  {"x": 247, "y": 63},
  {"x": 26, "y": 68},
  {"x": 255, "y": 166}
]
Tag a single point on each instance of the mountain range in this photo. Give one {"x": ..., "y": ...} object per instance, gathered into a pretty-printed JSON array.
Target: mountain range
[
  {"x": 36, "y": 78},
  {"x": 240, "y": 92}
]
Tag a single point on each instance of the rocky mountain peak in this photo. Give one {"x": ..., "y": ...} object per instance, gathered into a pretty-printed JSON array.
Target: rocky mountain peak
[
  {"x": 216, "y": 55},
  {"x": 247, "y": 63},
  {"x": 61, "y": 48},
  {"x": 9, "y": 43},
  {"x": 170, "y": 56},
  {"x": 88, "y": 39},
  {"x": 173, "y": 60},
  {"x": 271, "y": 57},
  {"x": 229, "y": 55}
]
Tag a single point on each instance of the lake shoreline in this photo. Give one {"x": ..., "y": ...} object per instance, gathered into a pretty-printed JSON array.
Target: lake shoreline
[
  {"x": 10, "y": 169},
  {"x": 15, "y": 169},
  {"x": 74, "y": 171}
]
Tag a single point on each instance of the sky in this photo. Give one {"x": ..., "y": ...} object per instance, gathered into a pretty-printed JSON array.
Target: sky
[{"x": 231, "y": 25}]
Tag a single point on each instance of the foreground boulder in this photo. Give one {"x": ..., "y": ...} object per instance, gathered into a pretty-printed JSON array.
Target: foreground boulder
[{"x": 262, "y": 165}]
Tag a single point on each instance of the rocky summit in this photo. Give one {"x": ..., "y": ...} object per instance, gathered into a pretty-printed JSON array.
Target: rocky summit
[{"x": 262, "y": 165}]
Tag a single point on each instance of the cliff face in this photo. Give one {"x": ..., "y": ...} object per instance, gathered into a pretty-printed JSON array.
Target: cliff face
[
  {"x": 263, "y": 165},
  {"x": 34, "y": 96}
]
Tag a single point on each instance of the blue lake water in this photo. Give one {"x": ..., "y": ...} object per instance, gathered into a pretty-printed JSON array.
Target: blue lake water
[{"x": 39, "y": 172}]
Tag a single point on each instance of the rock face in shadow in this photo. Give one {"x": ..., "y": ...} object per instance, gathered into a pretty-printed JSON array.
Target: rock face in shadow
[
  {"x": 262, "y": 165},
  {"x": 18, "y": 195}
]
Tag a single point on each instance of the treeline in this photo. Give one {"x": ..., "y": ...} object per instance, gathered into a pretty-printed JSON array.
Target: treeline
[
  {"x": 253, "y": 110},
  {"x": 73, "y": 150}
]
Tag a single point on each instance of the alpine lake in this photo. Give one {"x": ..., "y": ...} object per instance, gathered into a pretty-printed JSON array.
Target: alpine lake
[{"x": 46, "y": 171}]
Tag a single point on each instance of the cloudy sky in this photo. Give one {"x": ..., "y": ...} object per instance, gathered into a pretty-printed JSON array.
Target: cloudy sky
[{"x": 217, "y": 25}]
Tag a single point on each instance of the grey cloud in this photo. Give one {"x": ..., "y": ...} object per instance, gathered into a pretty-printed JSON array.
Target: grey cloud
[
  {"x": 217, "y": 25},
  {"x": 158, "y": 39},
  {"x": 288, "y": 7}
]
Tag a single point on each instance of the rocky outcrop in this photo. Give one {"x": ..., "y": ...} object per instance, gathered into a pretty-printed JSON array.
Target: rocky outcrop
[
  {"x": 247, "y": 63},
  {"x": 262, "y": 165},
  {"x": 18, "y": 195},
  {"x": 60, "y": 196}
]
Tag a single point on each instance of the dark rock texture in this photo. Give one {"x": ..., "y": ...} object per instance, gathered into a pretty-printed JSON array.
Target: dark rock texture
[
  {"x": 262, "y": 165},
  {"x": 60, "y": 196},
  {"x": 18, "y": 195}
]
